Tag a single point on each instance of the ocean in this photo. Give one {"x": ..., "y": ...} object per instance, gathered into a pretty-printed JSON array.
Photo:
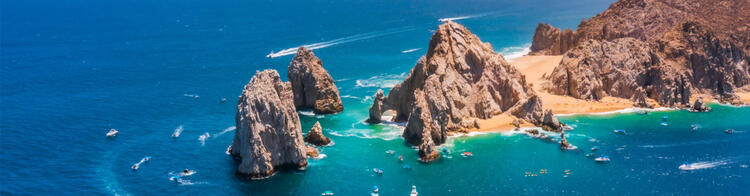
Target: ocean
[{"x": 72, "y": 70}]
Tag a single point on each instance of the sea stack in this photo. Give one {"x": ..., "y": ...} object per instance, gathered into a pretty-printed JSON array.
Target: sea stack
[
  {"x": 459, "y": 80},
  {"x": 315, "y": 136},
  {"x": 670, "y": 49},
  {"x": 268, "y": 136},
  {"x": 312, "y": 85}
]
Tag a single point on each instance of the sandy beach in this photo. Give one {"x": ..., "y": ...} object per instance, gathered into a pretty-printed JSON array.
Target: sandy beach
[{"x": 535, "y": 67}]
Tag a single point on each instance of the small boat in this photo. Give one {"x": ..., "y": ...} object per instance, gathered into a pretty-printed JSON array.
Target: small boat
[
  {"x": 620, "y": 131},
  {"x": 590, "y": 155},
  {"x": 664, "y": 124},
  {"x": 377, "y": 171},
  {"x": 413, "y": 191},
  {"x": 686, "y": 166},
  {"x": 147, "y": 158},
  {"x": 445, "y": 150},
  {"x": 112, "y": 133},
  {"x": 694, "y": 127},
  {"x": 602, "y": 159},
  {"x": 135, "y": 167},
  {"x": 327, "y": 193},
  {"x": 595, "y": 148},
  {"x": 390, "y": 152},
  {"x": 664, "y": 118},
  {"x": 400, "y": 158},
  {"x": 223, "y": 100},
  {"x": 467, "y": 154},
  {"x": 374, "y": 190},
  {"x": 729, "y": 131},
  {"x": 407, "y": 167},
  {"x": 641, "y": 112}
]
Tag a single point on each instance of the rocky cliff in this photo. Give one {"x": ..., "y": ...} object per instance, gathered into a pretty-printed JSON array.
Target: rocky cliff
[
  {"x": 268, "y": 136},
  {"x": 668, "y": 49},
  {"x": 459, "y": 80},
  {"x": 312, "y": 85}
]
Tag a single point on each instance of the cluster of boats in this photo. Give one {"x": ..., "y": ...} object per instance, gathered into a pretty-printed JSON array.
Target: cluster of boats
[{"x": 375, "y": 191}]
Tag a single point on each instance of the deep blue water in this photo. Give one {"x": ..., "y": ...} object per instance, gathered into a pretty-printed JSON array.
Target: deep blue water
[{"x": 72, "y": 70}]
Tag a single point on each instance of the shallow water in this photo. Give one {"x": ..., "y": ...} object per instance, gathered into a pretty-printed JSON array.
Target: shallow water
[{"x": 73, "y": 70}]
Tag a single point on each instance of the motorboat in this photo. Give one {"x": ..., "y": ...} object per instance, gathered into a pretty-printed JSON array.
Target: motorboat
[
  {"x": 729, "y": 131},
  {"x": 595, "y": 148},
  {"x": 377, "y": 171},
  {"x": 620, "y": 131},
  {"x": 327, "y": 193},
  {"x": 602, "y": 159},
  {"x": 413, "y": 191},
  {"x": 112, "y": 133},
  {"x": 467, "y": 154}
]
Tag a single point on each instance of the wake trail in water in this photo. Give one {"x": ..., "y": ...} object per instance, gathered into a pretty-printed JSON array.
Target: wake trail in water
[
  {"x": 177, "y": 132},
  {"x": 203, "y": 138},
  {"x": 703, "y": 165},
  {"x": 685, "y": 143},
  {"x": 348, "y": 39},
  {"x": 228, "y": 129}
]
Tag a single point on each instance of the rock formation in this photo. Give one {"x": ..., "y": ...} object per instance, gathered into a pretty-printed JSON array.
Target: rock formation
[
  {"x": 699, "y": 107},
  {"x": 459, "y": 80},
  {"x": 668, "y": 48},
  {"x": 564, "y": 145},
  {"x": 312, "y": 85},
  {"x": 315, "y": 136},
  {"x": 311, "y": 152},
  {"x": 268, "y": 136}
]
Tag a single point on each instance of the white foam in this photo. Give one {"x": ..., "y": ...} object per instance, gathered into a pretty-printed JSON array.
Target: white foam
[
  {"x": 309, "y": 113},
  {"x": 320, "y": 156},
  {"x": 622, "y": 111},
  {"x": 351, "y": 97},
  {"x": 703, "y": 165},
  {"x": 190, "y": 95},
  {"x": 513, "y": 52},
  {"x": 410, "y": 50},
  {"x": 228, "y": 129},
  {"x": 342, "y": 40},
  {"x": 177, "y": 131},
  {"x": 203, "y": 138},
  {"x": 381, "y": 81}
]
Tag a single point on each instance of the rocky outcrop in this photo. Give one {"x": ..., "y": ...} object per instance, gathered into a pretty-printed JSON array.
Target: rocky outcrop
[
  {"x": 640, "y": 99},
  {"x": 312, "y": 85},
  {"x": 459, "y": 80},
  {"x": 564, "y": 145},
  {"x": 669, "y": 48},
  {"x": 315, "y": 136},
  {"x": 698, "y": 106},
  {"x": 427, "y": 150},
  {"x": 268, "y": 136},
  {"x": 311, "y": 152},
  {"x": 377, "y": 108}
]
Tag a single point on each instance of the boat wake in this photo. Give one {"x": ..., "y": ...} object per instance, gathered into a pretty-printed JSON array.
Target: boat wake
[
  {"x": 410, "y": 50},
  {"x": 177, "y": 132},
  {"x": 348, "y": 39},
  {"x": 228, "y": 129},
  {"x": 703, "y": 165},
  {"x": 685, "y": 143},
  {"x": 203, "y": 138}
]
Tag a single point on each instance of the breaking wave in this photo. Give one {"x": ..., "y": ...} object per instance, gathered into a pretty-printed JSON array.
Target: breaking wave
[
  {"x": 513, "y": 52},
  {"x": 342, "y": 40},
  {"x": 381, "y": 81}
]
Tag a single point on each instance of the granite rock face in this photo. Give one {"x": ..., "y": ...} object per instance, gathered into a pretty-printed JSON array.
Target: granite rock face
[
  {"x": 459, "y": 80},
  {"x": 669, "y": 48},
  {"x": 315, "y": 136},
  {"x": 377, "y": 108},
  {"x": 312, "y": 85},
  {"x": 268, "y": 136}
]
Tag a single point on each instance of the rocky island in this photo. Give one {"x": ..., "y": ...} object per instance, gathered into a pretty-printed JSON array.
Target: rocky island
[
  {"x": 460, "y": 82},
  {"x": 312, "y": 85},
  {"x": 652, "y": 52},
  {"x": 268, "y": 135}
]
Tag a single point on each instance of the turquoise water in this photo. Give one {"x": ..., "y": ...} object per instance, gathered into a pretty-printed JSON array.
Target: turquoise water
[{"x": 72, "y": 70}]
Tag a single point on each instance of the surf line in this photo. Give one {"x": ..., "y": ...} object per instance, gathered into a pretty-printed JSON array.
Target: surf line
[{"x": 342, "y": 40}]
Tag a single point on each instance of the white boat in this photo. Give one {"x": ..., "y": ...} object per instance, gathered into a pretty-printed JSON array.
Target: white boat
[
  {"x": 729, "y": 131},
  {"x": 112, "y": 133},
  {"x": 602, "y": 159},
  {"x": 413, "y": 190},
  {"x": 374, "y": 191}
]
